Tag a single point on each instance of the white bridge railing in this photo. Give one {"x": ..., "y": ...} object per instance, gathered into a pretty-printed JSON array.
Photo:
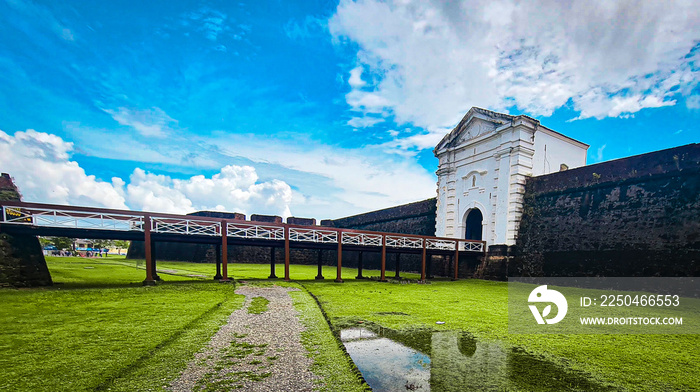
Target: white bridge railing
[
  {"x": 260, "y": 232},
  {"x": 397, "y": 241},
  {"x": 68, "y": 219},
  {"x": 42, "y": 215},
  {"x": 365, "y": 239},
  {"x": 313, "y": 235},
  {"x": 185, "y": 226}
]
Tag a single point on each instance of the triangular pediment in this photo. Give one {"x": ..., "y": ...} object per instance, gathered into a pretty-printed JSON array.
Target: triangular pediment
[{"x": 476, "y": 123}]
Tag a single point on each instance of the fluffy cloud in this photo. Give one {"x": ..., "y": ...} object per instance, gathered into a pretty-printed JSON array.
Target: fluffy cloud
[
  {"x": 428, "y": 62},
  {"x": 234, "y": 188},
  {"x": 44, "y": 172},
  {"x": 41, "y": 165},
  {"x": 338, "y": 182}
]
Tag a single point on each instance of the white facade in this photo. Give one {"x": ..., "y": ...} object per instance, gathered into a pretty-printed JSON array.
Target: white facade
[{"x": 483, "y": 164}]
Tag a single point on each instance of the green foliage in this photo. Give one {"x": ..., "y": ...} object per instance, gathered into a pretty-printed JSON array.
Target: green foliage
[
  {"x": 44, "y": 241},
  {"x": 10, "y": 195},
  {"x": 102, "y": 244},
  {"x": 62, "y": 243},
  {"x": 120, "y": 244}
]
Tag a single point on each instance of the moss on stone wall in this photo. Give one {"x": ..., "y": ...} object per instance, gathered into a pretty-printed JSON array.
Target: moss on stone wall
[{"x": 22, "y": 261}]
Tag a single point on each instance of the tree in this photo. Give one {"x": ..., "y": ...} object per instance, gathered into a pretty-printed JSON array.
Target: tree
[
  {"x": 120, "y": 244},
  {"x": 102, "y": 244},
  {"x": 62, "y": 243}
]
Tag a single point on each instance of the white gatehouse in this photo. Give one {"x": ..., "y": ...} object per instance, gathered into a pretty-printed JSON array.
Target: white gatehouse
[{"x": 483, "y": 164}]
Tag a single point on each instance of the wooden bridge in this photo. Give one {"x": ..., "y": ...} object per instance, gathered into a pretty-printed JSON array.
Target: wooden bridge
[{"x": 100, "y": 223}]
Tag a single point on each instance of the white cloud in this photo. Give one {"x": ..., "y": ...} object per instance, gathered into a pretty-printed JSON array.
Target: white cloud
[
  {"x": 41, "y": 166},
  {"x": 364, "y": 122},
  {"x": 335, "y": 181},
  {"x": 433, "y": 60},
  {"x": 693, "y": 102},
  {"x": 234, "y": 188},
  {"x": 44, "y": 172},
  {"x": 152, "y": 122},
  {"x": 599, "y": 153},
  {"x": 355, "y": 80}
]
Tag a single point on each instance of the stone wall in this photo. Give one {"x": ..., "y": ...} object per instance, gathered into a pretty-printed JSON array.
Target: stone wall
[
  {"x": 637, "y": 216},
  {"x": 414, "y": 218},
  {"x": 22, "y": 261}
]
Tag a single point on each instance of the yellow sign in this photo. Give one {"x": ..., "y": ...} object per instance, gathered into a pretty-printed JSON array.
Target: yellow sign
[{"x": 17, "y": 215}]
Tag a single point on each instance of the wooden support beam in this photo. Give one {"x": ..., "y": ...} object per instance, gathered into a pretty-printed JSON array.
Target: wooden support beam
[
  {"x": 456, "y": 263},
  {"x": 154, "y": 257},
  {"x": 338, "y": 277},
  {"x": 286, "y": 254},
  {"x": 429, "y": 268},
  {"x": 397, "y": 266},
  {"x": 224, "y": 251},
  {"x": 218, "y": 262},
  {"x": 382, "y": 278},
  {"x": 272, "y": 263},
  {"x": 359, "y": 267},
  {"x": 422, "y": 264},
  {"x": 319, "y": 276},
  {"x": 147, "y": 247}
]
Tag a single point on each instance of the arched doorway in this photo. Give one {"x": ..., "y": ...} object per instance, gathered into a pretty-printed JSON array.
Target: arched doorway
[{"x": 473, "y": 225}]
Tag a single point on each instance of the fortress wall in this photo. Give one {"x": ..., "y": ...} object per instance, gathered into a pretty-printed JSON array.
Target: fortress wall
[
  {"x": 413, "y": 218},
  {"x": 636, "y": 216},
  {"x": 22, "y": 261}
]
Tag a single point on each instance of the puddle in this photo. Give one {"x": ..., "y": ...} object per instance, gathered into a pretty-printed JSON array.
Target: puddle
[{"x": 425, "y": 360}]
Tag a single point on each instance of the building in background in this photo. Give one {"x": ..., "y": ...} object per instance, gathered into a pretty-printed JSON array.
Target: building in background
[{"x": 483, "y": 164}]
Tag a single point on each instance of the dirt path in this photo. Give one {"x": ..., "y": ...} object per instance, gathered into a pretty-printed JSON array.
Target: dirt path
[{"x": 253, "y": 352}]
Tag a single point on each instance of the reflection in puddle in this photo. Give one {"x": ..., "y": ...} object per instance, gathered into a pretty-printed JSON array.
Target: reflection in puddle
[
  {"x": 385, "y": 364},
  {"x": 452, "y": 361}
]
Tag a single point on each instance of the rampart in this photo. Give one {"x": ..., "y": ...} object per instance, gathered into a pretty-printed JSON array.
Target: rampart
[
  {"x": 413, "y": 218},
  {"x": 636, "y": 216},
  {"x": 21, "y": 258}
]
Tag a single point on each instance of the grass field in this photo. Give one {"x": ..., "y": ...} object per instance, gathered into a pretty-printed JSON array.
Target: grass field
[{"x": 100, "y": 329}]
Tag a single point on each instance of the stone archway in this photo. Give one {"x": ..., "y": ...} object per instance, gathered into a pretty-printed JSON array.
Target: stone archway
[{"x": 473, "y": 225}]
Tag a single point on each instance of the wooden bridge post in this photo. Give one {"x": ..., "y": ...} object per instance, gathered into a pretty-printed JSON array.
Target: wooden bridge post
[
  {"x": 338, "y": 277},
  {"x": 154, "y": 258},
  {"x": 456, "y": 262},
  {"x": 422, "y": 264},
  {"x": 286, "y": 254},
  {"x": 359, "y": 267},
  {"x": 224, "y": 251},
  {"x": 319, "y": 276},
  {"x": 272, "y": 263},
  {"x": 382, "y": 278},
  {"x": 218, "y": 262},
  {"x": 397, "y": 266},
  {"x": 147, "y": 247}
]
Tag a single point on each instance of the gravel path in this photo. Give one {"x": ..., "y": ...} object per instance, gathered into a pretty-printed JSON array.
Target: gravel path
[{"x": 253, "y": 352}]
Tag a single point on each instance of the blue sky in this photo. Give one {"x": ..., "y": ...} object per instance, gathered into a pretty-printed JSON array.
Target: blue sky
[{"x": 319, "y": 109}]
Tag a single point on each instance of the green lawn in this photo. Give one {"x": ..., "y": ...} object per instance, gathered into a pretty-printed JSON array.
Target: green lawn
[
  {"x": 632, "y": 362},
  {"x": 100, "y": 329}
]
